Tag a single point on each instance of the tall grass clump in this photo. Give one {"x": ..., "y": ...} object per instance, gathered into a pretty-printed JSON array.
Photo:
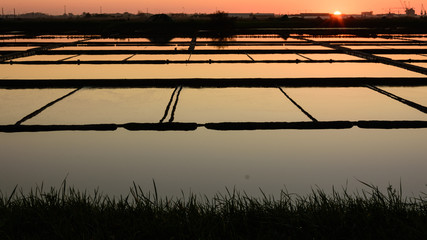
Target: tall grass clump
[{"x": 66, "y": 213}]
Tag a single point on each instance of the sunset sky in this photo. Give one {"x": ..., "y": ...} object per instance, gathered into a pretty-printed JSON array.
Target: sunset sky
[{"x": 193, "y": 6}]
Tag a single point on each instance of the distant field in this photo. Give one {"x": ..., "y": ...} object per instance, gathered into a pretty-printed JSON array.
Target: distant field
[{"x": 187, "y": 27}]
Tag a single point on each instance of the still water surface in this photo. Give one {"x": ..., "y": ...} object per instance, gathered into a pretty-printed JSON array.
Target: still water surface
[
  {"x": 234, "y": 70},
  {"x": 207, "y": 161}
]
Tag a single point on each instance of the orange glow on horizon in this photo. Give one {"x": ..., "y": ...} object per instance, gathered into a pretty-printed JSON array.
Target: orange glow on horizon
[
  {"x": 337, "y": 13},
  {"x": 193, "y": 6}
]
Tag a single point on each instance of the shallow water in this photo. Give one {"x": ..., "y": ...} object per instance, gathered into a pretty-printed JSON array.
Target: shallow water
[
  {"x": 333, "y": 104},
  {"x": 42, "y": 40},
  {"x": 181, "y": 40},
  {"x": 120, "y": 47},
  {"x": 404, "y": 56},
  {"x": 289, "y": 56},
  {"x": 331, "y": 56},
  {"x": 18, "y": 103},
  {"x": 351, "y": 39},
  {"x": 43, "y": 58},
  {"x": 110, "y": 57},
  {"x": 163, "y": 57},
  {"x": 362, "y": 47},
  {"x": 236, "y": 105},
  {"x": 219, "y": 57},
  {"x": 123, "y": 105},
  {"x": 260, "y": 47},
  {"x": 12, "y": 49},
  {"x": 414, "y": 94},
  {"x": 424, "y": 65},
  {"x": 227, "y": 70},
  {"x": 205, "y": 162},
  {"x": 119, "y": 40},
  {"x": 92, "y": 106},
  {"x": 246, "y": 38}
]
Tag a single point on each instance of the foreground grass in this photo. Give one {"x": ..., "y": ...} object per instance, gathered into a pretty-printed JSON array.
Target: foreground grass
[{"x": 66, "y": 213}]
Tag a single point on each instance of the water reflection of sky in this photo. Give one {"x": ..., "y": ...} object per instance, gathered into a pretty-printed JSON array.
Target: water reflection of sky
[
  {"x": 415, "y": 94},
  {"x": 89, "y": 106},
  {"x": 234, "y": 70},
  {"x": 148, "y": 105},
  {"x": 332, "y": 104},
  {"x": 15, "y": 48},
  {"x": 17, "y": 103},
  {"x": 42, "y": 40},
  {"x": 260, "y": 47},
  {"x": 120, "y": 47},
  {"x": 43, "y": 58},
  {"x": 236, "y": 105},
  {"x": 118, "y": 40},
  {"x": 424, "y": 65},
  {"x": 354, "y": 39},
  {"x": 404, "y": 56},
  {"x": 206, "y": 162}
]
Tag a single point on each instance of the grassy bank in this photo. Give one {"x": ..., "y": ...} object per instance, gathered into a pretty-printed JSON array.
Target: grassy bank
[{"x": 66, "y": 213}]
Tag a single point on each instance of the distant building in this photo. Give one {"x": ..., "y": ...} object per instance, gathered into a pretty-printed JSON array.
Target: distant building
[
  {"x": 251, "y": 15},
  {"x": 367, "y": 14},
  {"x": 315, "y": 15},
  {"x": 263, "y": 15},
  {"x": 240, "y": 15}
]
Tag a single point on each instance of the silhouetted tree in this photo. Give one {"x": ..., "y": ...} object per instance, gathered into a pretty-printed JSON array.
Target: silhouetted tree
[{"x": 221, "y": 21}]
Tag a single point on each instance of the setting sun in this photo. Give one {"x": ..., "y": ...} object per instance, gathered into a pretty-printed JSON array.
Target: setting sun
[{"x": 337, "y": 13}]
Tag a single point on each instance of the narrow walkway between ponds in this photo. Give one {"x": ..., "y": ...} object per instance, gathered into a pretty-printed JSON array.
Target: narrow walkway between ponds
[
  {"x": 411, "y": 40},
  {"x": 175, "y": 104},
  {"x": 299, "y": 54},
  {"x": 247, "y": 54},
  {"x": 368, "y": 56},
  {"x": 67, "y": 58},
  {"x": 213, "y": 82},
  {"x": 298, "y": 106},
  {"x": 414, "y": 105},
  {"x": 38, "y": 111},
  {"x": 131, "y": 56},
  {"x": 173, "y": 99},
  {"x": 35, "y": 51},
  {"x": 221, "y": 126},
  {"x": 187, "y": 61}
]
